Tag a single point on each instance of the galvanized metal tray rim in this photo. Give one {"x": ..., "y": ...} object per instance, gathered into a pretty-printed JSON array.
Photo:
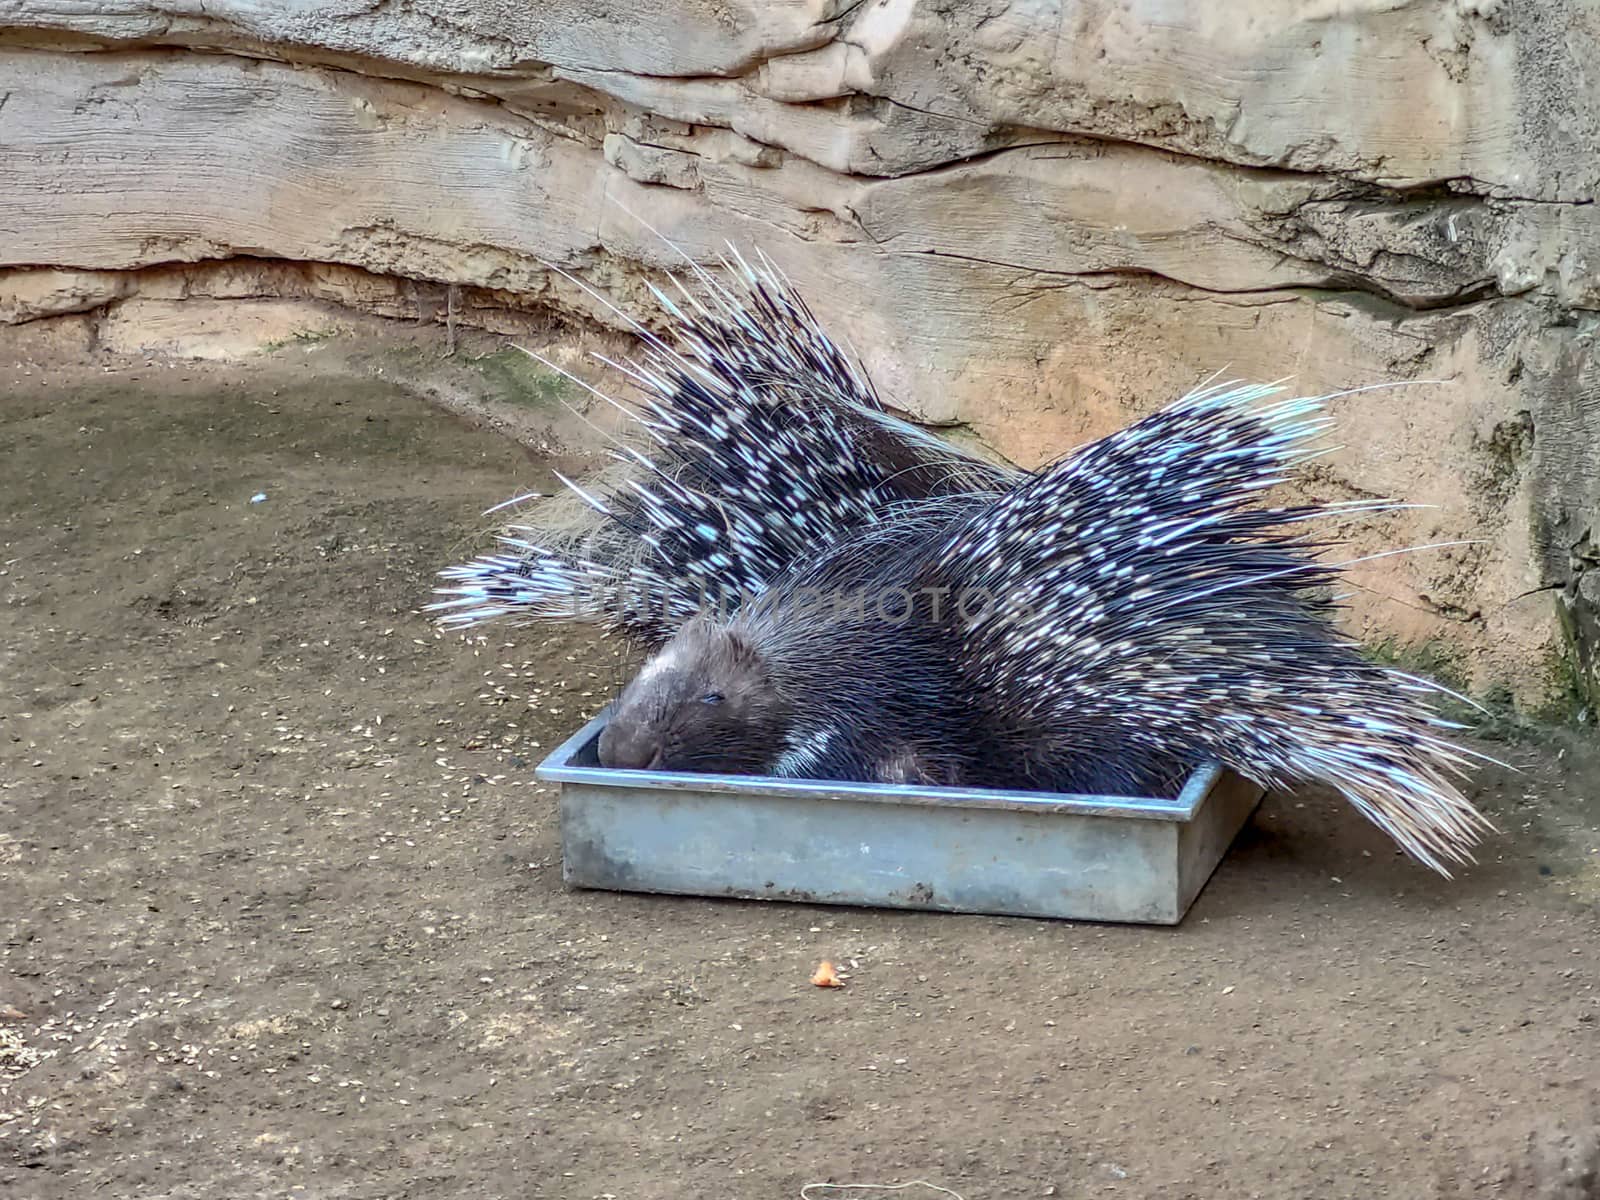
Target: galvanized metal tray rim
[{"x": 559, "y": 767}]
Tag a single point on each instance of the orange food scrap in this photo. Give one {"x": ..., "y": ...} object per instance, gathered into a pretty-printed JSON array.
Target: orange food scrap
[{"x": 826, "y": 976}]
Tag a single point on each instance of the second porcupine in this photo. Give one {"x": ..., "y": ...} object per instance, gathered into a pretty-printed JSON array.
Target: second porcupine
[
  {"x": 1141, "y": 616},
  {"x": 762, "y": 443}
]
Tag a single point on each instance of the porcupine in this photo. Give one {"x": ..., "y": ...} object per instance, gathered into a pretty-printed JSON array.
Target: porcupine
[
  {"x": 1142, "y": 616},
  {"x": 768, "y": 444}
]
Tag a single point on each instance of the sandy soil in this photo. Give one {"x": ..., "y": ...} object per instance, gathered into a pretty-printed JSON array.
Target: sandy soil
[{"x": 281, "y": 910}]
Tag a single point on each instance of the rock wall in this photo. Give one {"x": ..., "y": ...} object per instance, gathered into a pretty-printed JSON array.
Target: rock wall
[{"x": 1031, "y": 220}]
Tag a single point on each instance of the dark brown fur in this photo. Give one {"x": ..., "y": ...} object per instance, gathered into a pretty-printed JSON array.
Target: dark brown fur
[{"x": 707, "y": 704}]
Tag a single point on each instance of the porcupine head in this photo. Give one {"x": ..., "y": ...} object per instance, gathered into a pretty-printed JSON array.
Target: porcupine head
[{"x": 705, "y": 703}]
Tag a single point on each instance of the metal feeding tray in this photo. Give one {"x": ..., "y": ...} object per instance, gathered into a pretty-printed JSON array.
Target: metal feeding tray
[{"x": 1032, "y": 854}]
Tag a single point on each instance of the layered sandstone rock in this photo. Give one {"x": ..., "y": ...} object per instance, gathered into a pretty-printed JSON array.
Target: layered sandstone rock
[{"x": 1031, "y": 220}]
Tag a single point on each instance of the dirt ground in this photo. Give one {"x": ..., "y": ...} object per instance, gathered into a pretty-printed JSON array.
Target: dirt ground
[{"x": 281, "y": 910}]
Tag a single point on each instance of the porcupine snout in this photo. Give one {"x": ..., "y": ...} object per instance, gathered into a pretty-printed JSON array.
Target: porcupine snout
[{"x": 626, "y": 747}]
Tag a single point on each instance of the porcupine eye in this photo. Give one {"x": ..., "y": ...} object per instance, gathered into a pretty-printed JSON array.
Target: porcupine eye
[{"x": 711, "y": 698}]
